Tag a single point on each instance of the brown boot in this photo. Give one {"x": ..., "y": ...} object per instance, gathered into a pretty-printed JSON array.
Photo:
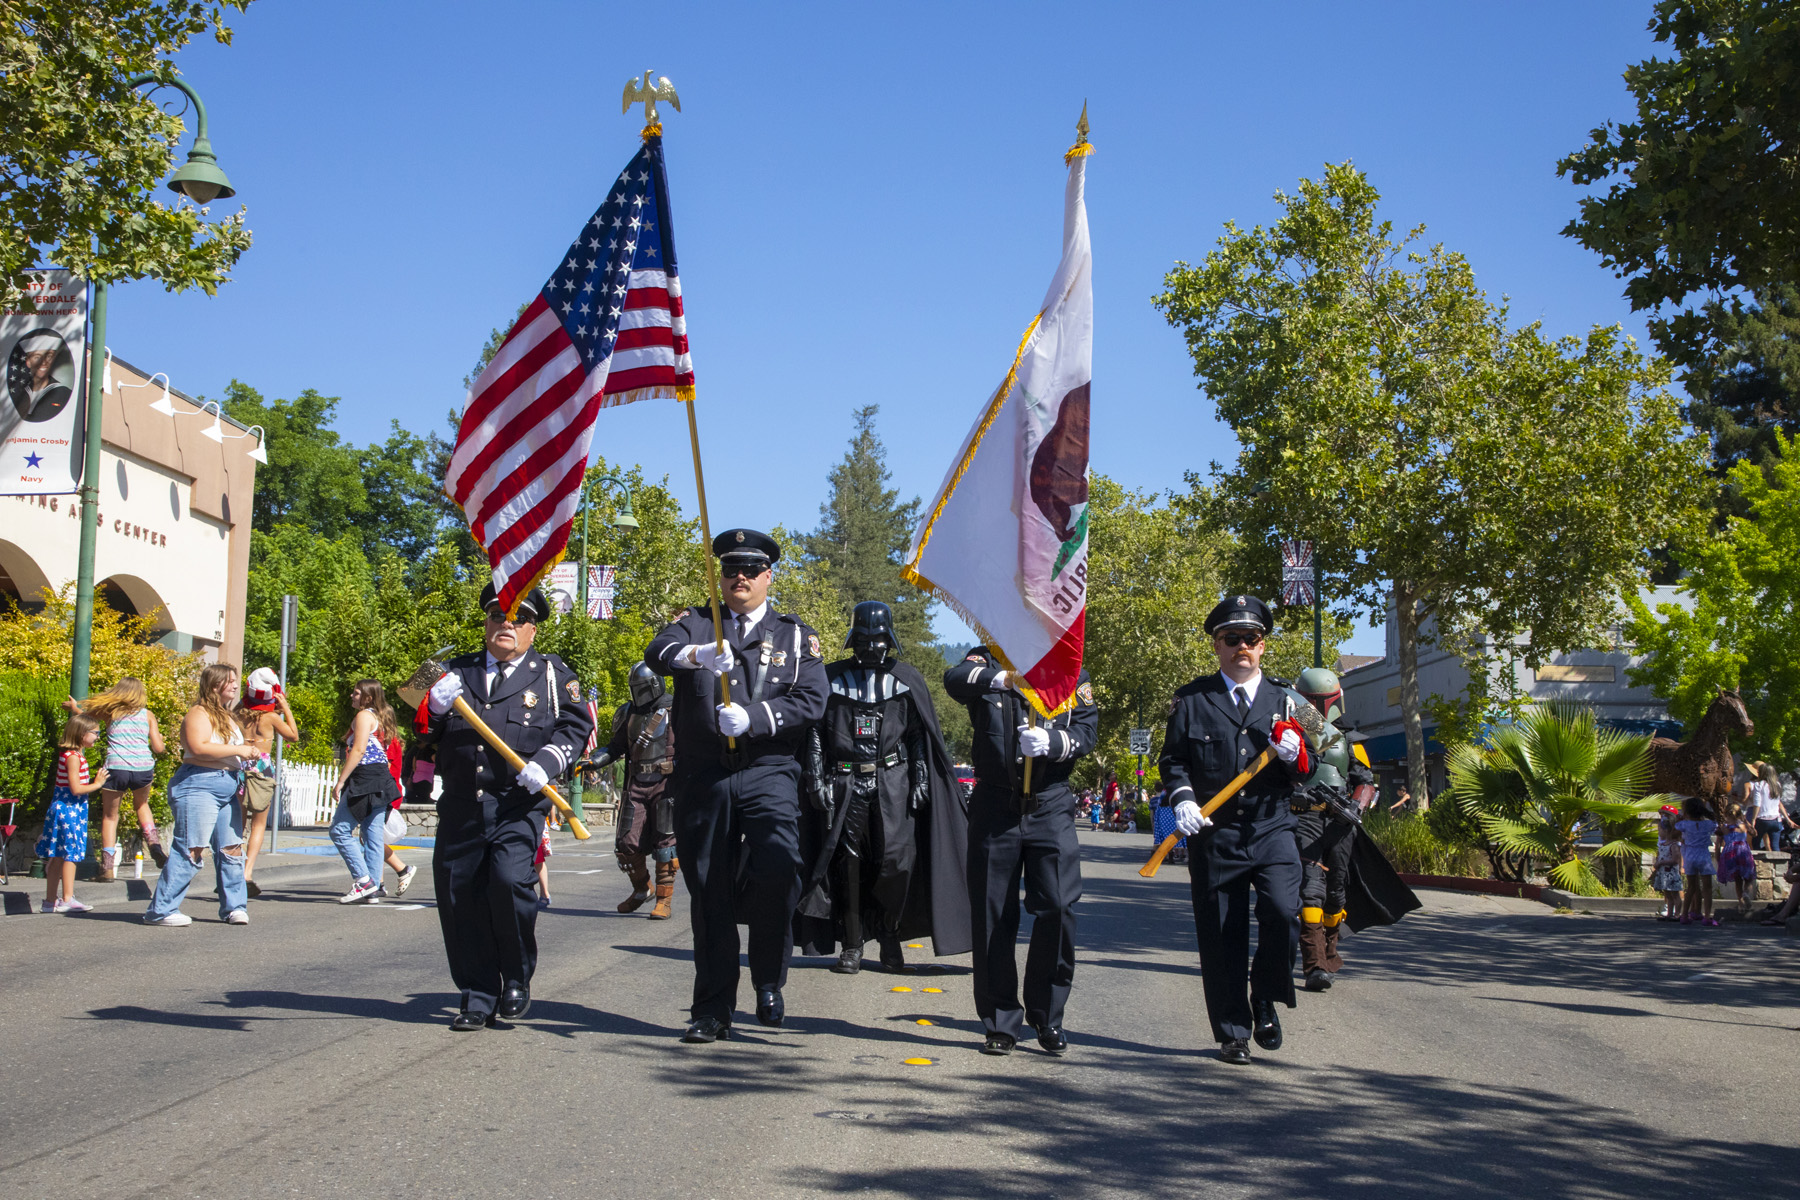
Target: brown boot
[
  {"x": 1332, "y": 962},
  {"x": 1312, "y": 950},
  {"x": 639, "y": 874},
  {"x": 665, "y": 890}
]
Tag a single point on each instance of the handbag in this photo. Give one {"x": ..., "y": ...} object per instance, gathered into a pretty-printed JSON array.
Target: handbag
[{"x": 395, "y": 825}]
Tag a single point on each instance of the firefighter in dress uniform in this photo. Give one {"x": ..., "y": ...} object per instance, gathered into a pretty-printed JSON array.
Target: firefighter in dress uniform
[
  {"x": 1327, "y": 813},
  {"x": 490, "y": 818},
  {"x": 737, "y": 806},
  {"x": 1014, "y": 832},
  {"x": 1218, "y": 725},
  {"x": 885, "y": 831},
  {"x": 643, "y": 737}
]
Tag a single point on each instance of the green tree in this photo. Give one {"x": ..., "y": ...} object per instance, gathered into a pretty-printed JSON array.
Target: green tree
[
  {"x": 407, "y": 508},
  {"x": 1748, "y": 389},
  {"x": 1539, "y": 783},
  {"x": 1742, "y": 619},
  {"x": 1701, "y": 198},
  {"x": 83, "y": 153},
  {"x": 313, "y": 478},
  {"x": 1490, "y": 483},
  {"x": 862, "y": 538}
]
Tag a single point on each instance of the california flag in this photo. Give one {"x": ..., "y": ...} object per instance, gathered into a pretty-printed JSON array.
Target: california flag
[{"x": 1005, "y": 541}]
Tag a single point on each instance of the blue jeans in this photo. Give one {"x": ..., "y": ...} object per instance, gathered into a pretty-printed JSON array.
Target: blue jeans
[
  {"x": 365, "y": 858},
  {"x": 205, "y": 814}
]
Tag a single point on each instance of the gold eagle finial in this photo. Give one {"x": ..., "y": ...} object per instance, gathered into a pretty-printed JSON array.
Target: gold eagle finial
[{"x": 646, "y": 93}]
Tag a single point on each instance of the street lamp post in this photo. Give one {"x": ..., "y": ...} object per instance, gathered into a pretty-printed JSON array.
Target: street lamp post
[
  {"x": 202, "y": 182},
  {"x": 623, "y": 519}
]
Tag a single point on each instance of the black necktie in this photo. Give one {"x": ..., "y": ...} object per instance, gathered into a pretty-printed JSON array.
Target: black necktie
[{"x": 1243, "y": 705}]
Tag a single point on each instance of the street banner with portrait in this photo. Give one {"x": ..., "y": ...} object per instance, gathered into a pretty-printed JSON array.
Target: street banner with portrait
[{"x": 44, "y": 353}]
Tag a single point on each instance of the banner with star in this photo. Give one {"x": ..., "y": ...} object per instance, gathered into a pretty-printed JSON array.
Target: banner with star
[{"x": 45, "y": 353}]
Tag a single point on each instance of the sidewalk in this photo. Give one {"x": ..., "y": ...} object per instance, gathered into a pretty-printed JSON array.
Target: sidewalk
[{"x": 305, "y": 856}]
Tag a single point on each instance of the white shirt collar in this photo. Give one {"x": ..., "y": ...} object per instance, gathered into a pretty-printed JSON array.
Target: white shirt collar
[
  {"x": 1249, "y": 685},
  {"x": 494, "y": 664},
  {"x": 753, "y": 618}
]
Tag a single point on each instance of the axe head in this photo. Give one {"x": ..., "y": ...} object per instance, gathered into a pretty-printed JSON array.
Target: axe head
[{"x": 414, "y": 690}]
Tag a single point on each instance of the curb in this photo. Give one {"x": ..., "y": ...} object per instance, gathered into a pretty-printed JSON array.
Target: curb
[{"x": 22, "y": 895}]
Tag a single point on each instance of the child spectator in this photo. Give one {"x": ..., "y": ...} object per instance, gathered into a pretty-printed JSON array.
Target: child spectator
[
  {"x": 1697, "y": 827},
  {"x": 396, "y": 756},
  {"x": 1736, "y": 864},
  {"x": 543, "y": 868},
  {"x": 262, "y": 713},
  {"x": 64, "y": 840},
  {"x": 1666, "y": 878},
  {"x": 132, "y": 743}
]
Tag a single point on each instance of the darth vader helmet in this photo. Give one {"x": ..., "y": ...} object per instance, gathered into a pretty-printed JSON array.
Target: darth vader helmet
[
  {"x": 872, "y": 638},
  {"x": 646, "y": 686}
]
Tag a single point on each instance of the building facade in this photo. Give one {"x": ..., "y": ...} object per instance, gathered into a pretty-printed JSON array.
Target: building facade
[
  {"x": 174, "y": 536},
  {"x": 1596, "y": 679}
]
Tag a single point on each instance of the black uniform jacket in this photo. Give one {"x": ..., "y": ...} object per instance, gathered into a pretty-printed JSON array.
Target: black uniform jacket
[
  {"x": 1205, "y": 747},
  {"x": 779, "y": 679},
  {"x": 997, "y": 716},
  {"x": 536, "y": 710}
]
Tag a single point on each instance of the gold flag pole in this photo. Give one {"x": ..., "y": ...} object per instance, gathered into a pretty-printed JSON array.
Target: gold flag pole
[{"x": 647, "y": 93}]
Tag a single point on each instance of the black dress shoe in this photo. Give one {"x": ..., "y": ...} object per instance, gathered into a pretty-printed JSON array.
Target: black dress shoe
[
  {"x": 849, "y": 962},
  {"x": 893, "y": 959},
  {"x": 1319, "y": 980},
  {"x": 769, "y": 1006},
  {"x": 999, "y": 1044},
  {"x": 469, "y": 1022},
  {"x": 707, "y": 1029},
  {"x": 1268, "y": 1026},
  {"x": 1052, "y": 1040},
  {"x": 1236, "y": 1052},
  {"x": 515, "y": 1002}
]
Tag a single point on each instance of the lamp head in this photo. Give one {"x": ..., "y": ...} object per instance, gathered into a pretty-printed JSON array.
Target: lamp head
[
  {"x": 623, "y": 519},
  {"x": 201, "y": 180}
]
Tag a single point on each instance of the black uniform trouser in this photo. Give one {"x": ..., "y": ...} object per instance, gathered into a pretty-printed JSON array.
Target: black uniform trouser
[
  {"x": 1324, "y": 844},
  {"x": 1224, "y": 862},
  {"x": 483, "y": 868},
  {"x": 1041, "y": 847},
  {"x": 737, "y": 835}
]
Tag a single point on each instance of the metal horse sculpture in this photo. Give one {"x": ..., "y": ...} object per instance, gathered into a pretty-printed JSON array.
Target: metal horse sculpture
[{"x": 1702, "y": 765}]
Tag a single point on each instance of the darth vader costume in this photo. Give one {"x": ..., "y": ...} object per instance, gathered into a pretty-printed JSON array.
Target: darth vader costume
[{"x": 885, "y": 831}]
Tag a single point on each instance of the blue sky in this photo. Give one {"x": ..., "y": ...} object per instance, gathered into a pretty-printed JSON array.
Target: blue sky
[{"x": 866, "y": 199}]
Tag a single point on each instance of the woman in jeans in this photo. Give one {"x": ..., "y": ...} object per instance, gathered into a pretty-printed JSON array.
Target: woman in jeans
[
  {"x": 365, "y": 787},
  {"x": 203, "y": 795}
]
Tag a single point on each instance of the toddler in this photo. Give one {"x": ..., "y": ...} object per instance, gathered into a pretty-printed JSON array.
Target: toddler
[
  {"x": 1696, "y": 828},
  {"x": 64, "y": 841},
  {"x": 1666, "y": 878},
  {"x": 1736, "y": 864}
]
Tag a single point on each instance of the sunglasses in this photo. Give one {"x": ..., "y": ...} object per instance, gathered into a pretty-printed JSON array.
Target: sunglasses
[
  {"x": 1241, "y": 639},
  {"x": 726, "y": 572},
  {"x": 498, "y": 616}
]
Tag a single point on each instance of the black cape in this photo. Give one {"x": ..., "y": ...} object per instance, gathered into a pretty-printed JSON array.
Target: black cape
[
  {"x": 937, "y": 901},
  {"x": 1376, "y": 894}
]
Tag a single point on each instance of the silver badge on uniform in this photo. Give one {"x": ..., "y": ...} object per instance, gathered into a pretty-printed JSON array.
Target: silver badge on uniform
[
  {"x": 530, "y": 698},
  {"x": 780, "y": 658}
]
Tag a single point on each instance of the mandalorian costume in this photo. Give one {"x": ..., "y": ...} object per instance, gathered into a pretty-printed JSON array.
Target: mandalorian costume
[
  {"x": 885, "y": 831},
  {"x": 643, "y": 736},
  {"x": 1345, "y": 878}
]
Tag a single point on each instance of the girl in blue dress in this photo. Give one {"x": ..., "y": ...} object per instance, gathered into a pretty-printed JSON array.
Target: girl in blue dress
[{"x": 64, "y": 841}]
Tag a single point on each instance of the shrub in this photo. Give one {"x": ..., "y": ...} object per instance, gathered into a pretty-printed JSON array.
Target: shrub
[{"x": 1414, "y": 846}]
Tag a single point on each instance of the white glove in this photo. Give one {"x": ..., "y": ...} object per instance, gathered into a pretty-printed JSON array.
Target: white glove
[
  {"x": 1189, "y": 820},
  {"x": 709, "y": 656},
  {"x": 733, "y": 718},
  {"x": 1034, "y": 743},
  {"x": 532, "y": 778},
  {"x": 1287, "y": 746},
  {"x": 1000, "y": 682},
  {"x": 444, "y": 693}
]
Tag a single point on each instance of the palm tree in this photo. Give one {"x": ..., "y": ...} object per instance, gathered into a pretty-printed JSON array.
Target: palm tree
[{"x": 1538, "y": 783}]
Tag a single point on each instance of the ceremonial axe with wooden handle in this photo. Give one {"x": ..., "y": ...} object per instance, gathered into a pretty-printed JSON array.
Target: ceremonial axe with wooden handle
[
  {"x": 1305, "y": 715},
  {"x": 416, "y": 691}
]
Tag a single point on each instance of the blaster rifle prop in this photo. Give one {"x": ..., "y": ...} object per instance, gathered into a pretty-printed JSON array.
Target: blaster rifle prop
[{"x": 416, "y": 691}]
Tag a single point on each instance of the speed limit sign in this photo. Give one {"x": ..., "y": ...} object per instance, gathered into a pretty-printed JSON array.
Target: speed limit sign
[{"x": 1140, "y": 741}]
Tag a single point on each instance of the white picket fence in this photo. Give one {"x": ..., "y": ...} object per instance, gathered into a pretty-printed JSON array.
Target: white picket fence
[{"x": 308, "y": 795}]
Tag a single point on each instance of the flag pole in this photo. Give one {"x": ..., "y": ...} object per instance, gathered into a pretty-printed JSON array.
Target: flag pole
[{"x": 712, "y": 573}]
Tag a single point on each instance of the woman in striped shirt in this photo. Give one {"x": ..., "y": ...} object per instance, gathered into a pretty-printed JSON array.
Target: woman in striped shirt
[{"x": 132, "y": 743}]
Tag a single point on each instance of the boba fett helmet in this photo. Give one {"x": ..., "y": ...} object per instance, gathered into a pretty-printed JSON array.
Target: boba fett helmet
[{"x": 1322, "y": 689}]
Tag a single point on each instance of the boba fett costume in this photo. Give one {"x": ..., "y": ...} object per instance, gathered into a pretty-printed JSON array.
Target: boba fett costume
[
  {"x": 643, "y": 737},
  {"x": 885, "y": 831},
  {"x": 1344, "y": 878}
]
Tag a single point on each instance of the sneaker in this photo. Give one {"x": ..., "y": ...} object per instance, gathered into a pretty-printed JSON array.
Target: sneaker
[
  {"x": 73, "y": 906},
  {"x": 362, "y": 889},
  {"x": 174, "y": 920},
  {"x": 1711, "y": 922},
  {"x": 237, "y": 916},
  {"x": 50, "y": 906},
  {"x": 1687, "y": 918},
  {"x": 543, "y": 903},
  {"x": 406, "y": 879},
  {"x": 251, "y": 888}
]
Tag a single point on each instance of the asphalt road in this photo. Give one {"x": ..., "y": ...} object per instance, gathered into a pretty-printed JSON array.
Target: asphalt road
[{"x": 1480, "y": 1048}]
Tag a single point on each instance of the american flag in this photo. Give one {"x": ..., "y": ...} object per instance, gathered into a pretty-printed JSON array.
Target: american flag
[
  {"x": 606, "y": 329},
  {"x": 593, "y": 707},
  {"x": 602, "y": 589}
]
